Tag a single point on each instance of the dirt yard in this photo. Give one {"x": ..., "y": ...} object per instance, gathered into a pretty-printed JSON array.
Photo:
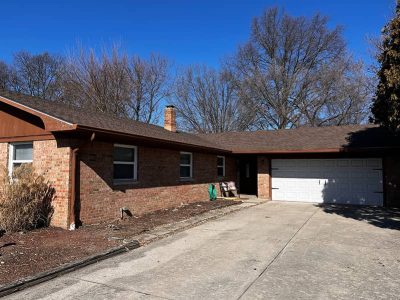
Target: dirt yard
[{"x": 24, "y": 254}]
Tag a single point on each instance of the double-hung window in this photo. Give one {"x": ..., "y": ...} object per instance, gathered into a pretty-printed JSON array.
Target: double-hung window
[
  {"x": 186, "y": 165},
  {"x": 19, "y": 153},
  {"x": 221, "y": 166},
  {"x": 125, "y": 163}
]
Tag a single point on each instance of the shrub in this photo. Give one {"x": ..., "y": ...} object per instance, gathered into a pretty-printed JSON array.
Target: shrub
[{"x": 25, "y": 200}]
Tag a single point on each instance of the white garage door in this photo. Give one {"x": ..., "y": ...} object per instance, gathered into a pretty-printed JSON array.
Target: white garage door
[{"x": 346, "y": 181}]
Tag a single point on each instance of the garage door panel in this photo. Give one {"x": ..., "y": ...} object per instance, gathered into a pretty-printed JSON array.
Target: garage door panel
[
  {"x": 314, "y": 163},
  {"x": 284, "y": 174},
  {"x": 328, "y": 163},
  {"x": 374, "y": 174},
  {"x": 374, "y": 163},
  {"x": 357, "y": 163},
  {"x": 343, "y": 163},
  {"x": 374, "y": 187},
  {"x": 348, "y": 181}
]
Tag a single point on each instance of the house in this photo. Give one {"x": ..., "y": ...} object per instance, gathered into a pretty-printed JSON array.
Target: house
[{"x": 99, "y": 164}]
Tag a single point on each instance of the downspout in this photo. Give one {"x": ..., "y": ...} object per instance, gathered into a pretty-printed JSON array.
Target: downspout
[{"x": 74, "y": 167}]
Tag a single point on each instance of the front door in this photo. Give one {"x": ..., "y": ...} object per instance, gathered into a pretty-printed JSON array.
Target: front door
[{"x": 248, "y": 175}]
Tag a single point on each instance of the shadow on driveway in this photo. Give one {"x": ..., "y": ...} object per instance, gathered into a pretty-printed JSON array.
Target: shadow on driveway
[{"x": 378, "y": 216}]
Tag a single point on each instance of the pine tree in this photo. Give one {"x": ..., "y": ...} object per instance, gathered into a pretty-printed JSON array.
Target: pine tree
[{"x": 386, "y": 103}]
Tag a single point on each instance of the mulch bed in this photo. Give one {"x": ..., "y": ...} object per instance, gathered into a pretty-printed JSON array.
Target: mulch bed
[{"x": 28, "y": 253}]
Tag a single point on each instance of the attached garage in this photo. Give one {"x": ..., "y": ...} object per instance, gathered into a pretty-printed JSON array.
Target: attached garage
[
  {"x": 356, "y": 181},
  {"x": 353, "y": 164}
]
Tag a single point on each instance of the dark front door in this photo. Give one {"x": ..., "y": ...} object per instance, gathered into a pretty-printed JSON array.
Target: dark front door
[{"x": 248, "y": 175}]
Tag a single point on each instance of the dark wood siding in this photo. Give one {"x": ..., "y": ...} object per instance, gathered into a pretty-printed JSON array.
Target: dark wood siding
[{"x": 15, "y": 123}]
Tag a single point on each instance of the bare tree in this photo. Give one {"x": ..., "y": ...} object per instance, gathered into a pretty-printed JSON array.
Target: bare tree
[
  {"x": 149, "y": 84},
  {"x": 4, "y": 75},
  {"x": 207, "y": 101},
  {"x": 36, "y": 75},
  {"x": 291, "y": 69},
  {"x": 116, "y": 84},
  {"x": 98, "y": 83},
  {"x": 340, "y": 96}
]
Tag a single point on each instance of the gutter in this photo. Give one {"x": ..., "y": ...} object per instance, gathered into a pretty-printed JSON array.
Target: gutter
[
  {"x": 151, "y": 139},
  {"x": 314, "y": 151},
  {"x": 260, "y": 151}
]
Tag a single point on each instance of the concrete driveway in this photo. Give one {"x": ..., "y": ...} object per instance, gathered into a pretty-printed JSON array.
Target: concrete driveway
[{"x": 270, "y": 251}]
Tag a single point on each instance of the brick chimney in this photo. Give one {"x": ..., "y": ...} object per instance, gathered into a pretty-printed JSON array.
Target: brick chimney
[{"x": 170, "y": 118}]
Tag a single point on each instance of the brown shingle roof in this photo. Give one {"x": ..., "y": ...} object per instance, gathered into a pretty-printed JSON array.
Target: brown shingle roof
[
  {"x": 305, "y": 139},
  {"x": 100, "y": 121}
]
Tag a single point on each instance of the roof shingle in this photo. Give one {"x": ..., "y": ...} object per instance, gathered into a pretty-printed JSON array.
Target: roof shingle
[
  {"x": 304, "y": 139},
  {"x": 101, "y": 121}
]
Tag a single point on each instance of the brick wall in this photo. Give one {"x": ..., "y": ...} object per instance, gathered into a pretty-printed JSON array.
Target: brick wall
[
  {"x": 52, "y": 159},
  {"x": 392, "y": 180},
  {"x": 158, "y": 185},
  {"x": 263, "y": 177},
  {"x": 3, "y": 155},
  {"x": 3, "y": 161}
]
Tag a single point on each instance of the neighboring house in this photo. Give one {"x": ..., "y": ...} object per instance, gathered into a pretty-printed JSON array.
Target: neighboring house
[{"x": 99, "y": 164}]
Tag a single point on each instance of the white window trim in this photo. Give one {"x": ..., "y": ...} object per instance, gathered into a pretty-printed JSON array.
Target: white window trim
[
  {"x": 134, "y": 163},
  {"x": 223, "y": 165},
  {"x": 12, "y": 161},
  {"x": 186, "y": 165}
]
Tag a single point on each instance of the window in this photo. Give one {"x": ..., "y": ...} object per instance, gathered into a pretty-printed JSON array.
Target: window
[
  {"x": 186, "y": 163},
  {"x": 20, "y": 153},
  {"x": 221, "y": 166},
  {"x": 125, "y": 162}
]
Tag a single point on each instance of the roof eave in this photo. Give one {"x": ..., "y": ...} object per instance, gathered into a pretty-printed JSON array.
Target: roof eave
[
  {"x": 294, "y": 151},
  {"x": 311, "y": 151},
  {"x": 150, "y": 139}
]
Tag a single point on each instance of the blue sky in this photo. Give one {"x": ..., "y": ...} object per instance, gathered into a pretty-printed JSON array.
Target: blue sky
[{"x": 188, "y": 32}]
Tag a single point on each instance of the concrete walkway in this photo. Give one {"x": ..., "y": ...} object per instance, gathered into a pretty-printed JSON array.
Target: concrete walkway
[{"x": 270, "y": 251}]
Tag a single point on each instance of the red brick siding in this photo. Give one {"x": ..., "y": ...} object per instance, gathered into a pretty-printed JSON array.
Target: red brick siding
[
  {"x": 158, "y": 185},
  {"x": 52, "y": 159},
  {"x": 3, "y": 155},
  {"x": 263, "y": 177},
  {"x": 3, "y": 161}
]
